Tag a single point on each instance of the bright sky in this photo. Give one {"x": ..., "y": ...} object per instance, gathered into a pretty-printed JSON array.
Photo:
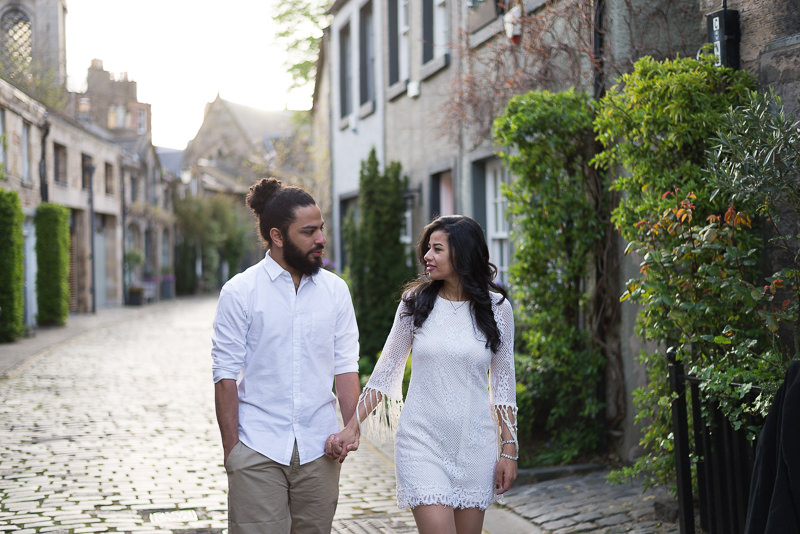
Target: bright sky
[{"x": 181, "y": 53}]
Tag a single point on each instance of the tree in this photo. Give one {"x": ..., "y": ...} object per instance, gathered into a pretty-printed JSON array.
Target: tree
[
  {"x": 300, "y": 24},
  {"x": 561, "y": 46},
  {"x": 40, "y": 83},
  {"x": 698, "y": 257},
  {"x": 215, "y": 229},
  {"x": 560, "y": 208},
  {"x": 378, "y": 262}
]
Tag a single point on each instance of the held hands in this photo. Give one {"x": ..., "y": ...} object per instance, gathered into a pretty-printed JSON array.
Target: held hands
[{"x": 339, "y": 445}]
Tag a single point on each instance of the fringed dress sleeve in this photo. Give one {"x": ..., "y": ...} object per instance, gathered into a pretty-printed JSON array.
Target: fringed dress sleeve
[
  {"x": 383, "y": 394},
  {"x": 502, "y": 374}
]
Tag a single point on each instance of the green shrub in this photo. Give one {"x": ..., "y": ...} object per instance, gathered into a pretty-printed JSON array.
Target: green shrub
[
  {"x": 186, "y": 282},
  {"x": 558, "y": 206},
  {"x": 698, "y": 286},
  {"x": 52, "y": 260},
  {"x": 376, "y": 278},
  {"x": 12, "y": 266}
]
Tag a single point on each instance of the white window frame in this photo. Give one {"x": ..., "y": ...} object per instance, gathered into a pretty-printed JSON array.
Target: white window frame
[
  {"x": 366, "y": 52},
  {"x": 345, "y": 74},
  {"x": 142, "y": 121},
  {"x": 440, "y": 33},
  {"x": 498, "y": 223},
  {"x": 403, "y": 40}
]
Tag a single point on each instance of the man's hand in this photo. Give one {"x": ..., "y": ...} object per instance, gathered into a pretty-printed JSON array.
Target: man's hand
[{"x": 339, "y": 445}]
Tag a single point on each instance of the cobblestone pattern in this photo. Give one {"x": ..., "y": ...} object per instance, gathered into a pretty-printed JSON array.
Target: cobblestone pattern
[
  {"x": 114, "y": 431},
  {"x": 587, "y": 503}
]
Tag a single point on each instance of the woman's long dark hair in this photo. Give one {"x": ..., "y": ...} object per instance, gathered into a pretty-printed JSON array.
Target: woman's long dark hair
[{"x": 469, "y": 256}]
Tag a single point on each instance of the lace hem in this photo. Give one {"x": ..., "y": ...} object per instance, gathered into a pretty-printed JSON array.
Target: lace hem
[
  {"x": 382, "y": 424},
  {"x": 454, "y": 501}
]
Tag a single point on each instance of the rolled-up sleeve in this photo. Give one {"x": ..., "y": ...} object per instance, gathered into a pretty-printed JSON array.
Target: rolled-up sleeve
[
  {"x": 229, "y": 336},
  {"x": 346, "y": 334}
]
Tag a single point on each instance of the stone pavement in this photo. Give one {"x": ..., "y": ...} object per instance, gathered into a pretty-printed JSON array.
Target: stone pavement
[{"x": 107, "y": 425}]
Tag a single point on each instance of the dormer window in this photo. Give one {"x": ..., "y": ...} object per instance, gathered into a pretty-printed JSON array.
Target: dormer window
[{"x": 15, "y": 42}]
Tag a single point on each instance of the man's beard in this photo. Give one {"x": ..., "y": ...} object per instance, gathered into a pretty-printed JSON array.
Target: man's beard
[{"x": 304, "y": 263}]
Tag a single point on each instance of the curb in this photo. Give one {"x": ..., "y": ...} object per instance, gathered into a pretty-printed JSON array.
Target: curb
[{"x": 531, "y": 475}]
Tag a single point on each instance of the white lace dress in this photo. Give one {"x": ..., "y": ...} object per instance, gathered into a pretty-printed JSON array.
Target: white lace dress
[{"x": 447, "y": 441}]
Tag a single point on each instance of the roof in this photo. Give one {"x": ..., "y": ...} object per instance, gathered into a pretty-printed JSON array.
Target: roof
[
  {"x": 260, "y": 124},
  {"x": 170, "y": 159},
  {"x": 215, "y": 179}
]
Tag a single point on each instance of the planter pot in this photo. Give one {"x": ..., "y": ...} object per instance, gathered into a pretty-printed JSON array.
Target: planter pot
[{"x": 135, "y": 296}]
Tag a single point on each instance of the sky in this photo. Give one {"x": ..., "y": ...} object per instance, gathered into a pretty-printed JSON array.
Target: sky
[{"x": 181, "y": 54}]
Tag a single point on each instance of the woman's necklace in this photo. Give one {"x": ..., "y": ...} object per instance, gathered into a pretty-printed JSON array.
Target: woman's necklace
[{"x": 452, "y": 304}]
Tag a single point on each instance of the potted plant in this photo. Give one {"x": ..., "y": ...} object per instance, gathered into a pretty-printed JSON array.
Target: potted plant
[{"x": 130, "y": 260}]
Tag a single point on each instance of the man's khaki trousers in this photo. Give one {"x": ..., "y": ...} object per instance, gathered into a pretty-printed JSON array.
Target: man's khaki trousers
[{"x": 267, "y": 497}]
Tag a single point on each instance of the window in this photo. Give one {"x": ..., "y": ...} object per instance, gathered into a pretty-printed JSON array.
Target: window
[
  {"x": 86, "y": 171},
  {"x": 134, "y": 187},
  {"x": 60, "y": 163},
  {"x": 26, "y": 152},
  {"x": 141, "y": 125},
  {"x": 366, "y": 53},
  {"x": 442, "y": 198},
  {"x": 165, "y": 248},
  {"x": 109, "y": 178},
  {"x": 434, "y": 29},
  {"x": 122, "y": 114},
  {"x": 345, "y": 72},
  {"x": 15, "y": 43},
  {"x": 406, "y": 232},
  {"x": 348, "y": 210},
  {"x": 483, "y": 13},
  {"x": 497, "y": 219},
  {"x": 398, "y": 41}
]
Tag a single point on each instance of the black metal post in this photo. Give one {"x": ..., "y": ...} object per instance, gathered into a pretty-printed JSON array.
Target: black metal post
[
  {"x": 43, "y": 188},
  {"x": 91, "y": 236},
  {"x": 680, "y": 431}
]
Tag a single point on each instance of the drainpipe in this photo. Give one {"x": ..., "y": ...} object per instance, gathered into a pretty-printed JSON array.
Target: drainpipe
[
  {"x": 599, "y": 50},
  {"x": 43, "y": 161},
  {"x": 91, "y": 235},
  {"x": 458, "y": 177},
  {"x": 123, "y": 222}
]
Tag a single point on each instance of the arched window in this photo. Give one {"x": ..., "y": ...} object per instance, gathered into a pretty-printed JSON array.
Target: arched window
[{"x": 15, "y": 43}]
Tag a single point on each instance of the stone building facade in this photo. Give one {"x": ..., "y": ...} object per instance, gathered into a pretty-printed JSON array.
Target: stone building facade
[
  {"x": 90, "y": 152},
  {"x": 425, "y": 50}
]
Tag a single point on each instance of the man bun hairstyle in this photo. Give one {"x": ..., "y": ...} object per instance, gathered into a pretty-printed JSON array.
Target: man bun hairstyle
[{"x": 273, "y": 204}]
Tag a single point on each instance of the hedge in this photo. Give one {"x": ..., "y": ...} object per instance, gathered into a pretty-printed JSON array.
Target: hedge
[
  {"x": 52, "y": 258},
  {"x": 12, "y": 266}
]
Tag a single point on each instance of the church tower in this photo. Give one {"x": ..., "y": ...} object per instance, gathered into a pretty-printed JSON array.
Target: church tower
[{"x": 33, "y": 41}]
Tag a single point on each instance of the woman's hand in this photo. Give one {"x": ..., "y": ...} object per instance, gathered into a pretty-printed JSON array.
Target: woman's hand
[
  {"x": 505, "y": 473},
  {"x": 339, "y": 445}
]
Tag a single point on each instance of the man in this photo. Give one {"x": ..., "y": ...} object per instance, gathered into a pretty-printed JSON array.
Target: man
[{"x": 285, "y": 332}]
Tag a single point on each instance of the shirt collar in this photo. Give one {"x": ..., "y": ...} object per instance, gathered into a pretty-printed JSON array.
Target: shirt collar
[{"x": 274, "y": 269}]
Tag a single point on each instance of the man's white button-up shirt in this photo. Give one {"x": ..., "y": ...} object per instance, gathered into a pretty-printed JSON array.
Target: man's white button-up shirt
[{"x": 284, "y": 348}]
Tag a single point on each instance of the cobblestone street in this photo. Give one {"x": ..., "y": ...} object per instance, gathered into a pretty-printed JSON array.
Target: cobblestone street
[
  {"x": 112, "y": 429},
  {"x": 115, "y": 431}
]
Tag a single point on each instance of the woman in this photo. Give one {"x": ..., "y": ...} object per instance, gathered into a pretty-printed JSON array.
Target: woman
[{"x": 456, "y": 445}]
